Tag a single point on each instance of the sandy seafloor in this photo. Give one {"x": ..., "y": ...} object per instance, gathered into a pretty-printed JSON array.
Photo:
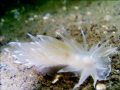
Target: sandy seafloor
[{"x": 100, "y": 20}]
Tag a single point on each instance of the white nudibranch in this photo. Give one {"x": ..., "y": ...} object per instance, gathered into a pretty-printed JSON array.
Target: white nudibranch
[{"x": 46, "y": 51}]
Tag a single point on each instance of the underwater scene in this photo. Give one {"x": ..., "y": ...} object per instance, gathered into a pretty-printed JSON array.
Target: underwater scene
[{"x": 60, "y": 45}]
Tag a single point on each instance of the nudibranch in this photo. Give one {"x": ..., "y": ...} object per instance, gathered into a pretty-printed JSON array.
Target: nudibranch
[{"x": 46, "y": 51}]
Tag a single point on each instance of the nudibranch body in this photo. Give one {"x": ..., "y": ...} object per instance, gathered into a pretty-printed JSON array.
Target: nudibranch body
[{"x": 46, "y": 51}]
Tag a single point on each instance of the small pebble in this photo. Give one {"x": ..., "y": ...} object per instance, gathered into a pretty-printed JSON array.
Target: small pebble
[
  {"x": 35, "y": 16},
  {"x": 31, "y": 19},
  {"x": 2, "y": 20},
  {"x": 114, "y": 32},
  {"x": 56, "y": 79},
  {"x": 107, "y": 17},
  {"x": 88, "y": 13},
  {"x": 76, "y": 7},
  {"x": 64, "y": 8},
  {"x": 100, "y": 87},
  {"x": 105, "y": 26},
  {"x": 46, "y": 16}
]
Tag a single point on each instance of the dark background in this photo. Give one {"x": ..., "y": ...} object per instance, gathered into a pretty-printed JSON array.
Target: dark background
[{"x": 7, "y": 5}]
